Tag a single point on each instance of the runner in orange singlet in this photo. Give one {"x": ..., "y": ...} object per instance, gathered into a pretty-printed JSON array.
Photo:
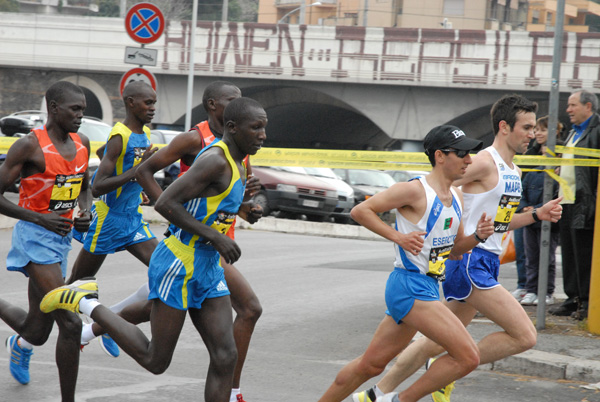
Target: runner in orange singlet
[{"x": 52, "y": 162}]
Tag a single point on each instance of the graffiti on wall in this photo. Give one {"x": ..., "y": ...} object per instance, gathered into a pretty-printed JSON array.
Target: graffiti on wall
[{"x": 386, "y": 55}]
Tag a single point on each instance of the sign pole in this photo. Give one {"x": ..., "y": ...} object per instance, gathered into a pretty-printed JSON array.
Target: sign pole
[
  {"x": 224, "y": 13},
  {"x": 190, "y": 83},
  {"x": 548, "y": 181}
]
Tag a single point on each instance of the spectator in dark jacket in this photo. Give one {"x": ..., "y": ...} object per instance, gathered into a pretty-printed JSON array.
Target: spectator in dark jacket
[
  {"x": 577, "y": 223},
  {"x": 533, "y": 197}
]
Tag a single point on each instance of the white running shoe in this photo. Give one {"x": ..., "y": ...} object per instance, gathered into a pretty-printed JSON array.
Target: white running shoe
[
  {"x": 519, "y": 294},
  {"x": 530, "y": 299}
]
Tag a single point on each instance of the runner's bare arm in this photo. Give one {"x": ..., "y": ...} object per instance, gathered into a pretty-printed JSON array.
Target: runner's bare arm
[
  {"x": 81, "y": 221},
  {"x": 105, "y": 182},
  {"x": 478, "y": 174},
  {"x": 409, "y": 195},
  {"x": 550, "y": 211},
  {"x": 184, "y": 144}
]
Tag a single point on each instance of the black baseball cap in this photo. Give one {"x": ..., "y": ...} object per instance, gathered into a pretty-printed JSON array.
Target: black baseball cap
[{"x": 446, "y": 136}]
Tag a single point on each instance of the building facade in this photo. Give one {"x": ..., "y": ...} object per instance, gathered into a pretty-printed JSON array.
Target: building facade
[{"x": 504, "y": 15}]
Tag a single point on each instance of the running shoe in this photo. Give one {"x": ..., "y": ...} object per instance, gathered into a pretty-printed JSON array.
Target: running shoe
[
  {"x": 239, "y": 398},
  {"x": 109, "y": 346},
  {"x": 67, "y": 297},
  {"x": 391, "y": 397},
  {"x": 19, "y": 359},
  {"x": 530, "y": 299},
  {"x": 365, "y": 396},
  {"x": 519, "y": 294},
  {"x": 442, "y": 394}
]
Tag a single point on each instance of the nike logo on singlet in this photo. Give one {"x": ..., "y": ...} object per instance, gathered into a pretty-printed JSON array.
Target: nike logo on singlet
[{"x": 78, "y": 168}]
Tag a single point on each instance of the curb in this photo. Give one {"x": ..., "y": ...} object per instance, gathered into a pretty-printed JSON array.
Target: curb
[{"x": 549, "y": 365}]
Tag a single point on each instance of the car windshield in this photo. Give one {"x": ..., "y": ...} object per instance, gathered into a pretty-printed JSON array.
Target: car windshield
[
  {"x": 156, "y": 138},
  {"x": 169, "y": 136},
  {"x": 95, "y": 132},
  {"x": 370, "y": 178},
  {"x": 321, "y": 172}
]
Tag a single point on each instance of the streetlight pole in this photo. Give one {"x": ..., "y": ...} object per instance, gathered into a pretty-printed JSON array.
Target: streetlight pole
[
  {"x": 224, "y": 13},
  {"x": 550, "y": 143},
  {"x": 303, "y": 8},
  {"x": 190, "y": 83}
]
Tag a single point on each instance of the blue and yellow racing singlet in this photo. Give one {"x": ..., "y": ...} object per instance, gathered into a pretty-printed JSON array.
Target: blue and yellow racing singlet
[
  {"x": 217, "y": 211},
  {"x": 127, "y": 197}
]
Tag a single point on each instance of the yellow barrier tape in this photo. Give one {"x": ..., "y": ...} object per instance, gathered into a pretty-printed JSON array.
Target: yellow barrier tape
[
  {"x": 567, "y": 192},
  {"x": 369, "y": 156},
  {"x": 532, "y": 160},
  {"x": 6, "y": 142},
  {"x": 95, "y": 145},
  {"x": 594, "y": 153},
  {"x": 566, "y": 189},
  {"x": 382, "y": 160}
]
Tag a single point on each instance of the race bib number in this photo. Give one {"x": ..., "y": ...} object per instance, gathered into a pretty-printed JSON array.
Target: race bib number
[
  {"x": 65, "y": 192},
  {"x": 505, "y": 212},
  {"x": 437, "y": 260},
  {"x": 224, "y": 221}
]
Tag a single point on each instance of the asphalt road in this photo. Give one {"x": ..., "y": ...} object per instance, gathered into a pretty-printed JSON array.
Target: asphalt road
[{"x": 322, "y": 299}]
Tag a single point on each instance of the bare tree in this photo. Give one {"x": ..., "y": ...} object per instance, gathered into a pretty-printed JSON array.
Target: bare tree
[{"x": 172, "y": 9}]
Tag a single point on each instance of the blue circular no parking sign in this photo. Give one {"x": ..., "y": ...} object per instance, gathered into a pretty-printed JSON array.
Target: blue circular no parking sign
[{"x": 144, "y": 23}]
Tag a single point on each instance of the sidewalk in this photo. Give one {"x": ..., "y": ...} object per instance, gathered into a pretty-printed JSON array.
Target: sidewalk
[{"x": 564, "y": 350}]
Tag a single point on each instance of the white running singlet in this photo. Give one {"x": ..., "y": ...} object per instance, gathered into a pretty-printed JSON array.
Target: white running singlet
[
  {"x": 441, "y": 224},
  {"x": 501, "y": 202}
]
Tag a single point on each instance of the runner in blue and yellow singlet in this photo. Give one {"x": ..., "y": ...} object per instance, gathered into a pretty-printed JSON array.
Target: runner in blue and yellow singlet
[
  {"x": 184, "y": 148},
  {"x": 117, "y": 221},
  {"x": 185, "y": 273}
]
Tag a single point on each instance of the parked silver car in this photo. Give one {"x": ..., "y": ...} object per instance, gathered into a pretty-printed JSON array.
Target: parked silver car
[{"x": 341, "y": 213}]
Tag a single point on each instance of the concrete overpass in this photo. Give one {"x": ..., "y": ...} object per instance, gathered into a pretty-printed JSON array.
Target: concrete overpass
[{"x": 324, "y": 87}]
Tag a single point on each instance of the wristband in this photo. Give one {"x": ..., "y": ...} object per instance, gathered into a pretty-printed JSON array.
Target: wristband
[
  {"x": 534, "y": 214},
  {"x": 479, "y": 239}
]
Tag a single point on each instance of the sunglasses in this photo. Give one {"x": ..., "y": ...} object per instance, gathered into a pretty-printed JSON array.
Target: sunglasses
[{"x": 460, "y": 153}]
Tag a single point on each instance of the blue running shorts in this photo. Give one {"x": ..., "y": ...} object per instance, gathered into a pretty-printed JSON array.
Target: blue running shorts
[
  {"x": 480, "y": 268},
  {"x": 33, "y": 243},
  {"x": 183, "y": 277},
  {"x": 403, "y": 287},
  {"x": 112, "y": 231}
]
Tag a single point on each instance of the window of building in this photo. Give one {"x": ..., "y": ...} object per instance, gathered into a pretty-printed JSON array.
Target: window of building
[{"x": 454, "y": 7}]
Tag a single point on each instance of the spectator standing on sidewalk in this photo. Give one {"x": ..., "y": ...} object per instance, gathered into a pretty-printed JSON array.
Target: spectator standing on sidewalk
[
  {"x": 577, "y": 223},
  {"x": 533, "y": 197}
]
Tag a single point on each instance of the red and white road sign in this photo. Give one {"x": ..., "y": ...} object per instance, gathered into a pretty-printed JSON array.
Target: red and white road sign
[
  {"x": 144, "y": 23},
  {"x": 137, "y": 74}
]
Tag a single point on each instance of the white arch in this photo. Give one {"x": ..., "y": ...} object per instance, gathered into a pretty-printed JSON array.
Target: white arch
[{"x": 107, "y": 110}]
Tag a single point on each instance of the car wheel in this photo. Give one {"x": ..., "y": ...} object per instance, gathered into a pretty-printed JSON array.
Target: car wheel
[
  {"x": 315, "y": 218},
  {"x": 342, "y": 220},
  {"x": 262, "y": 200}
]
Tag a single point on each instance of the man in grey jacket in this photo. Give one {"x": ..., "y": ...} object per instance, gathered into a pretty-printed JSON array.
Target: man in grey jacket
[{"x": 577, "y": 223}]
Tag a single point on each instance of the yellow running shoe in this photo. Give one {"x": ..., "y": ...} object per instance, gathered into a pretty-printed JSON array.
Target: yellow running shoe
[
  {"x": 364, "y": 396},
  {"x": 67, "y": 297},
  {"x": 443, "y": 394}
]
